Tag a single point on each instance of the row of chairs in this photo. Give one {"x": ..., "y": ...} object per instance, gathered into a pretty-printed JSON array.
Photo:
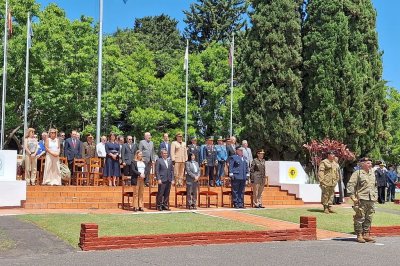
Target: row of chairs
[
  {"x": 83, "y": 173},
  {"x": 204, "y": 193}
]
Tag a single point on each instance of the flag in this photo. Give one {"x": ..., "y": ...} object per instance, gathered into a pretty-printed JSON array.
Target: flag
[
  {"x": 30, "y": 32},
  {"x": 186, "y": 63},
  {"x": 9, "y": 22},
  {"x": 125, "y": 1}
]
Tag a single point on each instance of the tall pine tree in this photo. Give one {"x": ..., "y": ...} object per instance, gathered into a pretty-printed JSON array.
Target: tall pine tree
[
  {"x": 213, "y": 20},
  {"x": 271, "y": 61}
]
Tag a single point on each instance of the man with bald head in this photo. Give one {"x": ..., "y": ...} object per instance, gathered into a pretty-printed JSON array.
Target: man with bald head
[{"x": 146, "y": 146}]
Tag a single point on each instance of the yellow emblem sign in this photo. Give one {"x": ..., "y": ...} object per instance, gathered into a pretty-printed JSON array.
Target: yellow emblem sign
[{"x": 292, "y": 172}]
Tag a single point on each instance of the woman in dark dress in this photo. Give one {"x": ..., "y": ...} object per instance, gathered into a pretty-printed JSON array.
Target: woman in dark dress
[{"x": 112, "y": 168}]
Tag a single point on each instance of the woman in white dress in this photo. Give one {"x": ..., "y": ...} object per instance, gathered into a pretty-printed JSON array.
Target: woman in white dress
[{"x": 52, "y": 174}]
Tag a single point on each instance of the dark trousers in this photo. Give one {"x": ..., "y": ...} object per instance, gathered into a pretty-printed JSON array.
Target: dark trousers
[
  {"x": 220, "y": 172},
  {"x": 71, "y": 166},
  {"x": 191, "y": 190},
  {"x": 210, "y": 173},
  {"x": 238, "y": 187},
  {"x": 391, "y": 193},
  {"x": 381, "y": 194},
  {"x": 163, "y": 194},
  {"x": 147, "y": 169}
]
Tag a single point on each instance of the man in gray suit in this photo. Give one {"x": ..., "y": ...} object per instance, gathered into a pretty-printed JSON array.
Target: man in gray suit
[
  {"x": 192, "y": 178},
  {"x": 164, "y": 171},
  {"x": 127, "y": 155},
  {"x": 146, "y": 146}
]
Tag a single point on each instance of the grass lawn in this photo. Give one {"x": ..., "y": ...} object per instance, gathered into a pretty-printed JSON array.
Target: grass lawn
[
  {"x": 342, "y": 221},
  {"x": 67, "y": 226},
  {"x": 5, "y": 242},
  {"x": 388, "y": 205}
]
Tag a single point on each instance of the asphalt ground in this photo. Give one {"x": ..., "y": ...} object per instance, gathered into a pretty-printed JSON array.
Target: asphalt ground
[{"x": 34, "y": 246}]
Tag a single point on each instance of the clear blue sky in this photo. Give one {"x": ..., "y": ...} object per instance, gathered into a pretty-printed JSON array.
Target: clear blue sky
[{"x": 120, "y": 15}]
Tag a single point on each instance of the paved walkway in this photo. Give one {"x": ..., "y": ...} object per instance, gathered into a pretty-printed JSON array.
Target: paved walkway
[
  {"x": 29, "y": 240},
  {"x": 271, "y": 224}
]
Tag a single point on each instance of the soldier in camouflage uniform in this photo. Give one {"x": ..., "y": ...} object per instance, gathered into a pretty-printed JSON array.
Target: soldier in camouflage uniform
[
  {"x": 328, "y": 175},
  {"x": 362, "y": 190},
  {"x": 258, "y": 178}
]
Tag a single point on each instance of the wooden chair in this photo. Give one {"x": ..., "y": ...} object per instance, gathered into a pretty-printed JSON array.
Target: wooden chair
[
  {"x": 153, "y": 188},
  {"x": 80, "y": 174},
  {"x": 180, "y": 190},
  {"x": 204, "y": 190},
  {"x": 226, "y": 190},
  {"x": 63, "y": 160},
  {"x": 127, "y": 192},
  {"x": 95, "y": 172},
  {"x": 248, "y": 191}
]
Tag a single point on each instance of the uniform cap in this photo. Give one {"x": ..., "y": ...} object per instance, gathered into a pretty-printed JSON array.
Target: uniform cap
[
  {"x": 210, "y": 138},
  {"x": 221, "y": 138},
  {"x": 179, "y": 134},
  {"x": 365, "y": 159},
  {"x": 193, "y": 138}
]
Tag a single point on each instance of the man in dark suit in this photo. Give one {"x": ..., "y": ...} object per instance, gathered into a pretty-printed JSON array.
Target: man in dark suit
[
  {"x": 210, "y": 154},
  {"x": 238, "y": 172},
  {"x": 165, "y": 176},
  {"x": 146, "y": 146},
  {"x": 127, "y": 155},
  {"x": 165, "y": 145},
  {"x": 194, "y": 149},
  {"x": 72, "y": 149},
  {"x": 231, "y": 146}
]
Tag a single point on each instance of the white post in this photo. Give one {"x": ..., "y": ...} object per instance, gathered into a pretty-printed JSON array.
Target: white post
[
  {"x": 232, "y": 62},
  {"x": 99, "y": 72},
  {"x": 187, "y": 86},
  {"x": 26, "y": 78},
  {"x": 3, "y": 98}
]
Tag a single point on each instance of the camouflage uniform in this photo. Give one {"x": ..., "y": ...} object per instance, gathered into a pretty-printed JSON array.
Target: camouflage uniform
[
  {"x": 328, "y": 177},
  {"x": 258, "y": 179},
  {"x": 362, "y": 187}
]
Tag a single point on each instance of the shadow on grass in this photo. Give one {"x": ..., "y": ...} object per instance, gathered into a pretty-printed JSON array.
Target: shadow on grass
[{"x": 316, "y": 210}]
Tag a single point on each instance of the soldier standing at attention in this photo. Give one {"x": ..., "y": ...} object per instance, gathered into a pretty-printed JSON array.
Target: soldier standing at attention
[
  {"x": 258, "y": 178},
  {"x": 328, "y": 177},
  {"x": 362, "y": 190}
]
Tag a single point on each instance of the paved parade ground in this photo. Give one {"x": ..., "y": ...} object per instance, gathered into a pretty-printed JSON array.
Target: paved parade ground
[{"x": 24, "y": 243}]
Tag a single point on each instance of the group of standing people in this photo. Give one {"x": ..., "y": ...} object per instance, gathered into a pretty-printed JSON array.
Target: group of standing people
[{"x": 366, "y": 186}]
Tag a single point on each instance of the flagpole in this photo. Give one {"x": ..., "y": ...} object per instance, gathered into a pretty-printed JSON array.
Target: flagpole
[
  {"x": 187, "y": 85},
  {"x": 99, "y": 71},
  {"x": 232, "y": 60},
  {"x": 26, "y": 77},
  {"x": 3, "y": 98}
]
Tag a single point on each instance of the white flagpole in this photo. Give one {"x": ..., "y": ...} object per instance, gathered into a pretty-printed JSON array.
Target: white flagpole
[
  {"x": 232, "y": 60},
  {"x": 99, "y": 72},
  {"x": 3, "y": 98},
  {"x": 28, "y": 33},
  {"x": 187, "y": 85}
]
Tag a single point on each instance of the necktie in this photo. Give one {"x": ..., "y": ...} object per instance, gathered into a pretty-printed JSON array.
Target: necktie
[{"x": 73, "y": 143}]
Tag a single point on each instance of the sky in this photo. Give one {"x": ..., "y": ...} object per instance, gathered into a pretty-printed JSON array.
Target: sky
[{"x": 120, "y": 15}]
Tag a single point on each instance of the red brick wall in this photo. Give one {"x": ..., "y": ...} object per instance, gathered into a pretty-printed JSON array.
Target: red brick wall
[
  {"x": 385, "y": 230},
  {"x": 89, "y": 239}
]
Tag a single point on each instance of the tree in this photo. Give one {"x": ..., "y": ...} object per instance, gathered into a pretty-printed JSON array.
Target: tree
[
  {"x": 343, "y": 89},
  {"x": 363, "y": 46},
  {"x": 213, "y": 21},
  {"x": 271, "y": 77},
  {"x": 161, "y": 36},
  {"x": 392, "y": 147},
  {"x": 325, "y": 69}
]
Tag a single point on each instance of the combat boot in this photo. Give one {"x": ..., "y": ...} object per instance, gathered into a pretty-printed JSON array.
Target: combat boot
[
  {"x": 368, "y": 238},
  {"x": 326, "y": 210},
  {"x": 330, "y": 210},
  {"x": 360, "y": 238}
]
